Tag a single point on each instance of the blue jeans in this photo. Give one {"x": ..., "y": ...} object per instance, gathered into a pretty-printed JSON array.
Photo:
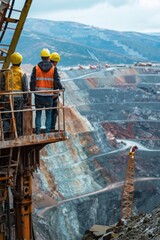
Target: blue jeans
[{"x": 43, "y": 102}]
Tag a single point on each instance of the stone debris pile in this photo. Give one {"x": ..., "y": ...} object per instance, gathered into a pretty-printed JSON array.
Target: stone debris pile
[{"x": 141, "y": 227}]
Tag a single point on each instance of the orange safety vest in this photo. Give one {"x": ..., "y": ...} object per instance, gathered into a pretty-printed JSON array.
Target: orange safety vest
[{"x": 44, "y": 81}]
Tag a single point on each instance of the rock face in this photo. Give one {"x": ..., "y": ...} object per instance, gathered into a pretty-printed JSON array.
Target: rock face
[
  {"x": 81, "y": 179},
  {"x": 144, "y": 226}
]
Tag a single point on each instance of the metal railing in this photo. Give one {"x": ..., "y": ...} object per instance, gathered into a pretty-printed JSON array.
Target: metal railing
[{"x": 28, "y": 113}]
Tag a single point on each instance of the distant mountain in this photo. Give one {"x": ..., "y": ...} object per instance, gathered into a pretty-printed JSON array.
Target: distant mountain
[{"x": 82, "y": 44}]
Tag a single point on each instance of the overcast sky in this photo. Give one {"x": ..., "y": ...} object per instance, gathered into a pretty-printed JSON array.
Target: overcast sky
[{"x": 120, "y": 15}]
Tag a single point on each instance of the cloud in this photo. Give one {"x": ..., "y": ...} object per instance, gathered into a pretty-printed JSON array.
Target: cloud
[
  {"x": 119, "y": 3},
  {"x": 154, "y": 4},
  {"x": 120, "y": 15},
  {"x": 60, "y": 5}
]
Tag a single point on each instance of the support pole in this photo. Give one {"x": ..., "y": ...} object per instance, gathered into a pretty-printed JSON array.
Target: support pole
[{"x": 23, "y": 203}]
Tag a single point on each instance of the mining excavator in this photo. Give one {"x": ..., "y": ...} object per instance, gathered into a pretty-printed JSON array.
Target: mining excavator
[{"x": 19, "y": 156}]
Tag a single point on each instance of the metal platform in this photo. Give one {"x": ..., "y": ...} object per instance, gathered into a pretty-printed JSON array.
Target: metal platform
[
  {"x": 20, "y": 158},
  {"x": 34, "y": 139}
]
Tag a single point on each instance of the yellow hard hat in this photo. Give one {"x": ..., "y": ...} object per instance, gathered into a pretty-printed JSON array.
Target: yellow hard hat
[
  {"x": 55, "y": 57},
  {"x": 16, "y": 58},
  {"x": 45, "y": 52}
]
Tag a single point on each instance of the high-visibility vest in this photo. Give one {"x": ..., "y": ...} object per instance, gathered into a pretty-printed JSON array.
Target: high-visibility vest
[
  {"x": 44, "y": 81},
  {"x": 13, "y": 79}
]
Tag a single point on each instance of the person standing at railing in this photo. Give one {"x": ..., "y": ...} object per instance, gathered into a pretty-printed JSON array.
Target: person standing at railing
[
  {"x": 44, "y": 77},
  {"x": 55, "y": 59},
  {"x": 14, "y": 80}
]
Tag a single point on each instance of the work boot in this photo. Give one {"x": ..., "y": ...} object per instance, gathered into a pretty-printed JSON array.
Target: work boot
[
  {"x": 53, "y": 128},
  {"x": 38, "y": 131}
]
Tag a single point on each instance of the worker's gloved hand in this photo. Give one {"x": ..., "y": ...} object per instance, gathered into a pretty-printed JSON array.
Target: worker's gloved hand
[{"x": 55, "y": 96}]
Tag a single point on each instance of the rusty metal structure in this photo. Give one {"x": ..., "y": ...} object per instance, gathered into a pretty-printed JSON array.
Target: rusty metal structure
[
  {"x": 19, "y": 156},
  {"x": 11, "y": 25},
  {"x": 128, "y": 186}
]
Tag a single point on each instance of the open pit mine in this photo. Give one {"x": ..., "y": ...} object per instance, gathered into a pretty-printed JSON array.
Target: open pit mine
[
  {"x": 80, "y": 180},
  {"x": 59, "y": 184}
]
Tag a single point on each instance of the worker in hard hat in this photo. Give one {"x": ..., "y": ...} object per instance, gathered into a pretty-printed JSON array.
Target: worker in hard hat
[
  {"x": 15, "y": 81},
  {"x": 55, "y": 59},
  {"x": 44, "y": 77}
]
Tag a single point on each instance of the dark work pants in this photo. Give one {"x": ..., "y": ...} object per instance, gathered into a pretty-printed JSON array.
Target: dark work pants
[{"x": 7, "y": 121}]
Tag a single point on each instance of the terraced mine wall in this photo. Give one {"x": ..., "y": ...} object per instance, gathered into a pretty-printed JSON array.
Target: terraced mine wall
[{"x": 80, "y": 180}]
